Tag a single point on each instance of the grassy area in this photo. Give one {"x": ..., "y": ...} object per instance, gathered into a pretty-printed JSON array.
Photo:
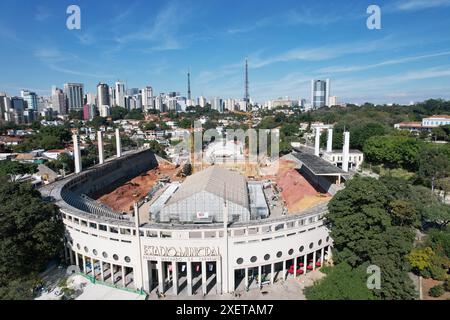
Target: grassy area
[{"x": 397, "y": 173}]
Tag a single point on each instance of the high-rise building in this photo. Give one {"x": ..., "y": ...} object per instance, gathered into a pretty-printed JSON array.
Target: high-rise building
[
  {"x": 59, "y": 101},
  {"x": 202, "y": 102},
  {"x": 17, "y": 110},
  {"x": 333, "y": 101},
  {"x": 89, "y": 112},
  {"x": 147, "y": 98},
  {"x": 133, "y": 102},
  {"x": 119, "y": 94},
  {"x": 217, "y": 104},
  {"x": 103, "y": 95},
  {"x": 230, "y": 104},
  {"x": 5, "y": 105},
  {"x": 105, "y": 111},
  {"x": 112, "y": 96},
  {"x": 90, "y": 99},
  {"x": 243, "y": 105},
  {"x": 159, "y": 104},
  {"x": 320, "y": 93},
  {"x": 30, "y": 98},
  {"x": 74, "y": 95}
]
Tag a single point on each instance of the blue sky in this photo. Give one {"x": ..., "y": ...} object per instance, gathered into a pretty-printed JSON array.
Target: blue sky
[{"x": 287, "y": 42}]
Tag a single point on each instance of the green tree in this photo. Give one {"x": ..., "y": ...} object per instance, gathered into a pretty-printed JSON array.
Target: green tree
[
  {"x": 118, "y": 113},
  {"x": 12, "y": 168},
  {"x": 364, "y": 231},
  {"x": 403, "y": 212},
  {"x": 438, "y": 214},
  {"x": 30, "y": 232},
  {"x": 342, "y": 282},
  {"x": 420, "y": 258},
  {"x": 434, "y": 164}
]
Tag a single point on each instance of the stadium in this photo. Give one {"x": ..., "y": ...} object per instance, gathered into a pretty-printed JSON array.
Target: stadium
[{"x": 213, "y": 233}]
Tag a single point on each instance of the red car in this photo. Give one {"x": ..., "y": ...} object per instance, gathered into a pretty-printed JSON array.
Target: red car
[{"x": 291, "y": 270}]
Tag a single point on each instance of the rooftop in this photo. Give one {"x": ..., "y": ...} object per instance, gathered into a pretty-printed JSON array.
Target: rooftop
[
  {"x": 317, "y": 165},
  {"x": 224, "y": 183}
]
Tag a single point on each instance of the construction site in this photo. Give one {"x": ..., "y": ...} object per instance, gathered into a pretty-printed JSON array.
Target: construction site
[
  {"x": 138, "y": 189},
  {"x": 286, "y": 190}
]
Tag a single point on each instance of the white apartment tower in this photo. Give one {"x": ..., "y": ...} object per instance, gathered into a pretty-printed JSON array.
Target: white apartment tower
[
  {"x": 320, "y": 93},
  {"x": 119, "y": 94},
  {"x": 103, "y": 95},
  {"x": 74, "y": 95},
  {"x": 148, "y": 101}
]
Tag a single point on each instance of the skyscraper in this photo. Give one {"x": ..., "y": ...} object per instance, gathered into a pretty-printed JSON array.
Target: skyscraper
[
  {"x": 5, "y": 105},
  {"x": 120, "y": 94},
  {"x": 320, "y": 93},
  {"x": 59, "y": 101},
  {"x": 217, "y": 104},
  {"x": 17, "y": 109},
  {"x": 30, "y": 98},
  {"x": 147, "y": 98},
  {"x": 74, "y": 95},
  {"x": 103, "y": 95},
  {"x": 202, "y": 102}
]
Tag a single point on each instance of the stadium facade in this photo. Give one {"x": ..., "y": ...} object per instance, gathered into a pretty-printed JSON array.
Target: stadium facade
[{"x": 221, "y": 256}]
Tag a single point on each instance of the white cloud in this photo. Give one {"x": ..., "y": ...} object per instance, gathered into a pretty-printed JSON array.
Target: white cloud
[
  {"x": 163, "y": 33},
  {"x": 412, "y": 5},
  {"x": 356, "y": 68}
]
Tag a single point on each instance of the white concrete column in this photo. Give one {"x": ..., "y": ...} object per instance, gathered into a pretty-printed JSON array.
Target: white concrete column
[
  {"x": 259, "y": 276},
  {"x": 77, "y": 262},
  {"x": 118, "y": 144},
  {"x": 317, "y": 142},
  {"x": 295, "y": 267},
  {"x": 246, "y": 278},
  {"x": 219, "y": 277},
  {"x": 189, "y": 277},
  {"x": 314, "y": 260},
  {"x": 84, "y": 264},
  {"x": 93, "y": 268},
  {"x": 161, "y": 278},
  {"x": 148, "y": 279},
  {"x": 330, "y": 140},
  {"x": 175, "y": 277},
  {"x": 272, "y": 273},
  {"x": 346, "y": 151},
  {"x": 322, "y": 252},
  {"x": 101, "y": 153},
  {"x": 204, "y": 279},
  {"x": 76, "y": 154},
  {"x": 111, "y": 271},
  {"x": 124, "y": 282},
  {"x": 284, "y": 270},
  {"x": 305, "y": 263},
  {"x": 102, "y": 272}
]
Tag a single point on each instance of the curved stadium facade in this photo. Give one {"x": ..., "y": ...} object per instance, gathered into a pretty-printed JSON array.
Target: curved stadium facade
[{"x": 218, "y": 256}]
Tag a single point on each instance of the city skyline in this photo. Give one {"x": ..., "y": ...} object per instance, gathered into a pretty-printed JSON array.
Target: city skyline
[{"x": 286, "y": 49}]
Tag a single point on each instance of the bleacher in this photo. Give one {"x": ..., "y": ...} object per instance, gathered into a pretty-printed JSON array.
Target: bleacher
[{"x": 84, "y": 203}]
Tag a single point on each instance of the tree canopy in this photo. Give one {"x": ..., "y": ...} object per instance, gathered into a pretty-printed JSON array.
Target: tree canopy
[
  {"x": 30, "y": 233},
  {"x": 368, "y": 226}
]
